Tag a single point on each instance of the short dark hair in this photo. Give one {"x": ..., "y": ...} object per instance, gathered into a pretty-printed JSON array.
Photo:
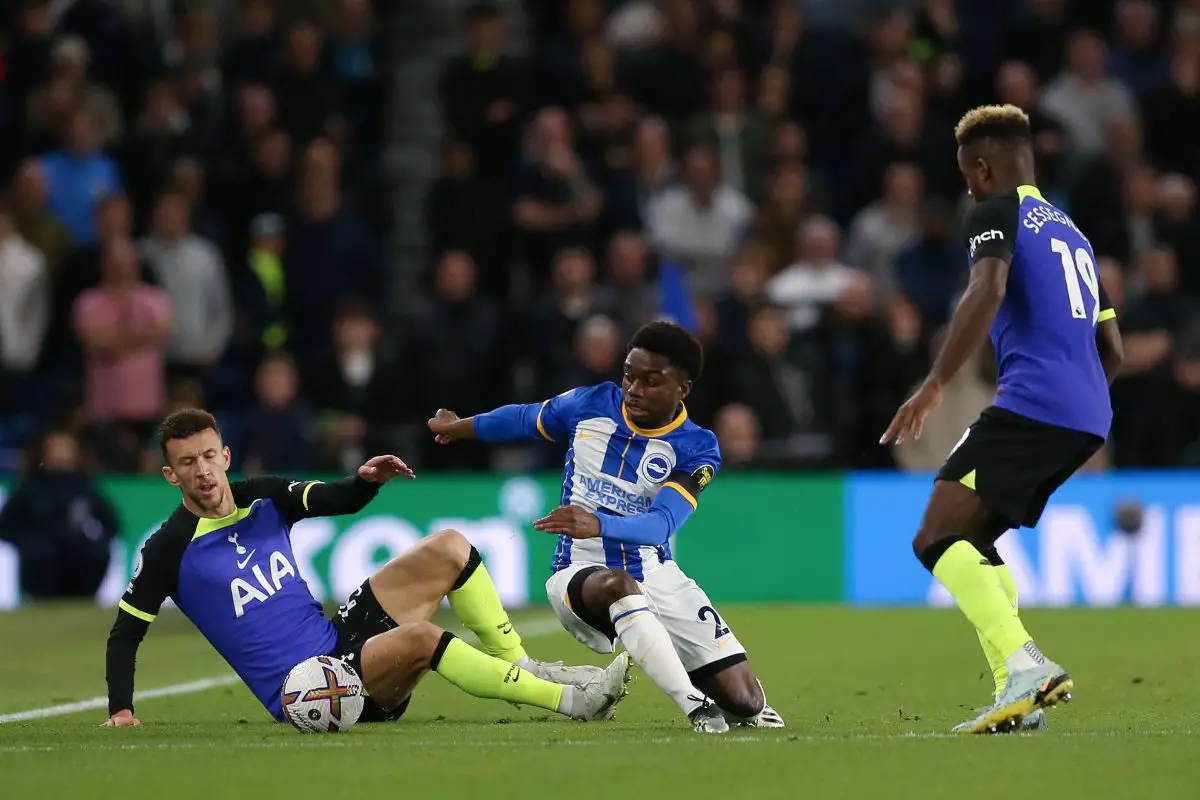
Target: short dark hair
[
  {"x": 184, "y": 423},
  {"x": 672, "y": 342}
]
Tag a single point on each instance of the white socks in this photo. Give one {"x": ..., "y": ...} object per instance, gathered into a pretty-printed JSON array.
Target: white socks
[
  {"x": 650, "y": 645},
  {"x": 1028, "y": 656},
  {"x": 573, "y": 703}
]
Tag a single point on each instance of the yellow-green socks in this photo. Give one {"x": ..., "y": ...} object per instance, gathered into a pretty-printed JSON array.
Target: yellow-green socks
[
  {"x": 994, "y": 658},
  {"x": 474, "y": 600},
  {"x": 973, "y": 582},
  {"x": 486, "y": 676}
]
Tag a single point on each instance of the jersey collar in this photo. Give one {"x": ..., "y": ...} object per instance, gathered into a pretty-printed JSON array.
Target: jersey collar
[
  {"x": 1027, "y": 190},
  {"x": 680, "y": 418}
]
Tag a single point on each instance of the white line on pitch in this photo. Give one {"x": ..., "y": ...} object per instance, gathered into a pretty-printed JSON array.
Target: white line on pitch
[
  {"x": 532, "y": 629},
  {"x": 760, "y": 738}
]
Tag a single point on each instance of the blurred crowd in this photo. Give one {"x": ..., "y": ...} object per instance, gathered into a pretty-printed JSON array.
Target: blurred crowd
[{"x": 196, "y": 214}]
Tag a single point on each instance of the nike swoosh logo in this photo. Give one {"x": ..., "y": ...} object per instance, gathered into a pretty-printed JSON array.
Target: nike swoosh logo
[
  {"x": 250, "y": 555},
  {"x": 294, "y": 484}
]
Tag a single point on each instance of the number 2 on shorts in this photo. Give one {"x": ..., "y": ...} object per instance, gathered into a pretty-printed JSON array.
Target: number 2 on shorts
[{"x": 707, "y": 612}]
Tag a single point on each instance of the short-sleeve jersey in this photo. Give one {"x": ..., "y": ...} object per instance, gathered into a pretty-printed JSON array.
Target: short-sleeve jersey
[
  {"x": 1048, "y": 364},
  {"x": 615, "y": 467},
  {"x": 235, "y": 578}
]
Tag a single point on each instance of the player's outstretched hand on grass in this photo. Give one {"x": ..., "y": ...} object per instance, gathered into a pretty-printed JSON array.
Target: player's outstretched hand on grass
[
  {"x": 382, "y": 469},
  {"x": 122, "y": 719},
  {"x": 910, "y": 419},
  {"x": 573, "y": 521}
]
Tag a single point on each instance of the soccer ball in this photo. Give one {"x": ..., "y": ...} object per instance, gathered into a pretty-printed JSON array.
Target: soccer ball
[{"x": 322, "y": 695}]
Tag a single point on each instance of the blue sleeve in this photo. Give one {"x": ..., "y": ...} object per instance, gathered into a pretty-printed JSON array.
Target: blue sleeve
[
  {"x": 666, "y": 515},
  {"x": 512, "y": 423},
  {"x": 549, "y": 420}
]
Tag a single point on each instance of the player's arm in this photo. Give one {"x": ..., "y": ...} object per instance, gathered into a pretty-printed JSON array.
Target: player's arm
[
  {"x": 991, "y": 234},
  {"x": 512, "y": 423},
  {"x": 1108, "y": 339},
  {"x": 676, "y": 501},
  {"x": 154, "y": 579},
  {"x": 299, "y": 500}
]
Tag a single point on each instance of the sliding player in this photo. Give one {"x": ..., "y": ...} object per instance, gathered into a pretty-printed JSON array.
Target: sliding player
[
  {"x": 1034, "y": 283},
  {"x": 634, "y": 470},
  {"x": 225, "y": 557}
]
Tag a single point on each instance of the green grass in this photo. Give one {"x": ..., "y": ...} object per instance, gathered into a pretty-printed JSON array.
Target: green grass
[{"x": 868, "y": 696}]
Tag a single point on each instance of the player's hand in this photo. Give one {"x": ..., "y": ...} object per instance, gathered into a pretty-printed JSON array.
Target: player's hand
[
  {"x": 910, "y": 419},
  {"x": 440, "y": 425},
  {"x": 573, "y": 521},
  {"x": 122, "y": 719},
  {"x": 382, "y": 469}
]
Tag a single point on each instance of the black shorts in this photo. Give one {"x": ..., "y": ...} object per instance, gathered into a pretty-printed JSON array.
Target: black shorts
[
  {"x": 1015, "y": 463},
  {"x": 360, "y": 618}
]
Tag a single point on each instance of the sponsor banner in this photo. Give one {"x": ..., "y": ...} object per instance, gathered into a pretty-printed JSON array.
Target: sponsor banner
[
  {"x": 1077, "y": 555},
  {"x": 755, "y": 538}
]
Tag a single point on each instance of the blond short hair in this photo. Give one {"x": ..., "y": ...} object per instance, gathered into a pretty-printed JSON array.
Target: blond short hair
[{"x": 1000, "y": 122}]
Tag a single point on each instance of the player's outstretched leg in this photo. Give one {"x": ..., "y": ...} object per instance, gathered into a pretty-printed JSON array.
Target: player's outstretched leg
[
  {"x": 445, "y": 564},
  {"x": 943, "y": 545},
  {"x": 614, "y": 593},
  {"x": 394, "y": 662}
]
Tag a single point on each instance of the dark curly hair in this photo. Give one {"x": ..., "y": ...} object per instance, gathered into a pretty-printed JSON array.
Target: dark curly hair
[{"x": 672, "y": 342}]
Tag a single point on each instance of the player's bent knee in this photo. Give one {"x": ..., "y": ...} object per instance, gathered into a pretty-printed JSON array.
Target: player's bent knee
[
  {"x": 746, "y": 702},
  {"x": 607, "y": 586},
  {"x": 413, "y": 643},
  {"x": 451, "y": 544},
  {"x": 737, "y": 691}
]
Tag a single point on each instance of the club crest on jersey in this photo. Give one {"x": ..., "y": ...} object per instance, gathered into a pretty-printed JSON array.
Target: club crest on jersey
[
  {"x": 656, "y": 468},
  {"x": 703, "y": 475}
]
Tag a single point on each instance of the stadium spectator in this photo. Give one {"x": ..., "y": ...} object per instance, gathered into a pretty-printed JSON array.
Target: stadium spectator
[
  {"x": 308, "y": 98},
  {"x": 69, "y": 69},
  {"x": 785, "y": 381},
  {"x": 932, "y": 271},
  {"x": 78, "y": 177},
  {"x": 254, "y": 55},
  {"x": 356, "y": 388},
  {"x": 555, "y": 317},
  {"x": 1085, "y": 97},
  {"x": 1137, "y": 58},
  {"x": 192, "y": 273},
  {"x": 59, "y": 522},
  {"x": 32, "y": 218},
  {"x": 697, "y": 225},
  {"x": 485, "y": 93},
  {"x": 1153, "y": 323},
  {"x": 124, "y": 325},
  {"x": 459, "y": 345},
  {"x": 328, "y": 253},
  {"x": 748, "y": 271},
  {"x": 627, "y": 297},
  {"x": 786, "y": 207},
  {"x": 160, "y": 135},
  {"x": 1172, "y": 115},
  {"x": 24, "y": 311},
  {"x": 457, "y": 194},
  {"x": 738, "y": 435},
  {"x": 631, "y": 189},
  {"x": 741, "y": 137},
  {"x": 887, "y": 227},
  {"x": 816, "y": 278},
  {"x": 558, "y": 204},
  {"x": 276, "y": 434},
  {"x": 599, "y": 353}
]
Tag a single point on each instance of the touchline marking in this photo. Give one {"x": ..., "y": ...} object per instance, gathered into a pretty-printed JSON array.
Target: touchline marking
[
  {"x": 725, "y": 741},
  {"x": 542, "y": 626}
]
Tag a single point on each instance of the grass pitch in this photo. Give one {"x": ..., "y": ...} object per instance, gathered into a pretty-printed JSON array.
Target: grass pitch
[{"x": 868, "y": 696}]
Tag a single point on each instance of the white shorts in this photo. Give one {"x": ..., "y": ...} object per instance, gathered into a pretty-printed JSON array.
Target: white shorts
[{"x": 700, "y": 635}]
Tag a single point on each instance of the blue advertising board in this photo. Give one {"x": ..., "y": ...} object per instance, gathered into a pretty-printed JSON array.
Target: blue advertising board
[{"x": 1075, "y": 556}]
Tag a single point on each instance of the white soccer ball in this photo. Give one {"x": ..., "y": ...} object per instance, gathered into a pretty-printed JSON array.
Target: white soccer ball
[{"x": 322, "y": 695}]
